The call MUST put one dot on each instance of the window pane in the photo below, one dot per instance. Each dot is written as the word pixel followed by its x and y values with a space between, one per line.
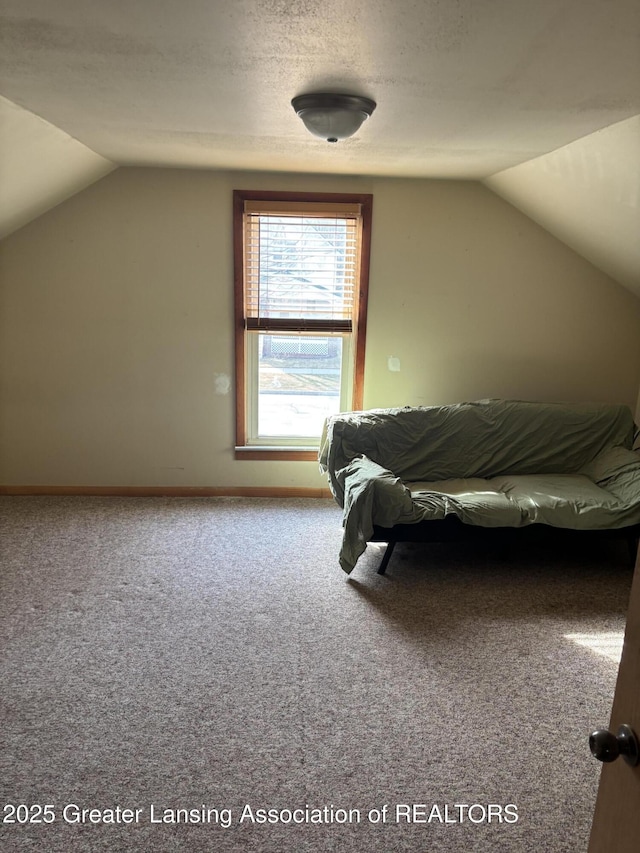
pixel 298 383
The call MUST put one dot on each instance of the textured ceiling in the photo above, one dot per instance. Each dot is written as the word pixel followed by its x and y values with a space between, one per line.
pixel 465 88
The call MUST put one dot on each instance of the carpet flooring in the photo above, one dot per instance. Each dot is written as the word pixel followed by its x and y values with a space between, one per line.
pixel 200 675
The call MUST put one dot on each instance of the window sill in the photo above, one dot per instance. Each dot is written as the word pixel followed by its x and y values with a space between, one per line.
pixel 274 454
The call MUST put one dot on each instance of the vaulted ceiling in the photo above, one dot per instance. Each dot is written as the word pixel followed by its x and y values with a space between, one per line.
pixel 464 88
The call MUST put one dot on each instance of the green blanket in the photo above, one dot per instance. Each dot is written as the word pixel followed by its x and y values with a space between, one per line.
pixel 492 463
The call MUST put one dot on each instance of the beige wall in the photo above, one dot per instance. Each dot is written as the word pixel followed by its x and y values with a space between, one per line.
pixel 116 323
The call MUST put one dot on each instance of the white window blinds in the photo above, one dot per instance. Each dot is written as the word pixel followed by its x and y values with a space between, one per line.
pixel 301 266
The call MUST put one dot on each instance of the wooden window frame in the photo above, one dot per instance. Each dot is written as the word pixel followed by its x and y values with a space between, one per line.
pixel 359 325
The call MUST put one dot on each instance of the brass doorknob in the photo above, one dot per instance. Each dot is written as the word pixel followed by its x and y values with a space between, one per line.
pixel 606 746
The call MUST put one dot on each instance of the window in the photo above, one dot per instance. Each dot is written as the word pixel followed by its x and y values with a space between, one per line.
pixel 301 277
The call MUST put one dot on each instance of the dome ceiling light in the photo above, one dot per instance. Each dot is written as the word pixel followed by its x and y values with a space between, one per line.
pixel 331 116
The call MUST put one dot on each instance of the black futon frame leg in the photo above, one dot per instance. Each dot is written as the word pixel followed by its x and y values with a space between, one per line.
pixel 387 556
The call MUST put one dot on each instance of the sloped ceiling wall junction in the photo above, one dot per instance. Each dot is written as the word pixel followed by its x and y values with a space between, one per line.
pixel 40 166
pixel 588 195
pixel 524 92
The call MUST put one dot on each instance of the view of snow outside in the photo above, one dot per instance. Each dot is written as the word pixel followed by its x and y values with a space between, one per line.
pixel 299 384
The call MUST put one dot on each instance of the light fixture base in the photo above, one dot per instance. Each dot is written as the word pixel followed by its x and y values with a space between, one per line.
pixel 333 116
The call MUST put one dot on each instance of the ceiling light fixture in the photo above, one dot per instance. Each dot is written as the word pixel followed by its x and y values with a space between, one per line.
pixel 331 116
